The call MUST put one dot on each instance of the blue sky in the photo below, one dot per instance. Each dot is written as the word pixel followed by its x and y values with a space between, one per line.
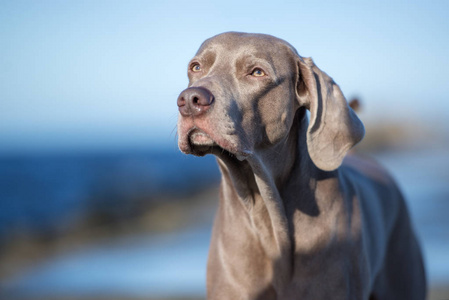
pixel 102 74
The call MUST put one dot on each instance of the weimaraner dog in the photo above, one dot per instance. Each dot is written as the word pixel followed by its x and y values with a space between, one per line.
pixel 296 219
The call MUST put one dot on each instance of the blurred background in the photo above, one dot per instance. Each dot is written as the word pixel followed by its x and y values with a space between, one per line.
pixel 96 202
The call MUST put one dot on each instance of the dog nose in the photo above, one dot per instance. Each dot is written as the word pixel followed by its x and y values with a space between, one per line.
pixel 195 101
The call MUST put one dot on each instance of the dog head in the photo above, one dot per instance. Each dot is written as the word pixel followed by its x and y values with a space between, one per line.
pixel 243 95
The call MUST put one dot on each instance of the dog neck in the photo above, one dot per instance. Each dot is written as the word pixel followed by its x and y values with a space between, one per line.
pixel 257 189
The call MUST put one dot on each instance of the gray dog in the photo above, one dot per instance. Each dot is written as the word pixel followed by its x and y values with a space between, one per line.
pixel 297 219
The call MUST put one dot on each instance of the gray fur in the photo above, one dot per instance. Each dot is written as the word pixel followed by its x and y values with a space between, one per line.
pixel 294 222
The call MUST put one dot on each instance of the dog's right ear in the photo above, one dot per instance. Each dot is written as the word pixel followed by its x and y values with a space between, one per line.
pixel 334 128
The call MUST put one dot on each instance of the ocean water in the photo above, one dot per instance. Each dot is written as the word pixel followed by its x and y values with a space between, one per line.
pixel 39 194
pixel 174 265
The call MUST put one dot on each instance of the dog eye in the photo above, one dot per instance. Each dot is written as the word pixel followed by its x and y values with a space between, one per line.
pixel 195 67
pixel 258 73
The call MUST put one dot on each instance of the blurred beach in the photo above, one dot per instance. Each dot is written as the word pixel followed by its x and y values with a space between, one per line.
pixel 137 225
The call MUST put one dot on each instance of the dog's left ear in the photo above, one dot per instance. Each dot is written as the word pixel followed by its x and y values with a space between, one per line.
pixel 334 128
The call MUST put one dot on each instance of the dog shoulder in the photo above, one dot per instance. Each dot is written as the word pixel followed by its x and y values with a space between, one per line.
pixel 367 168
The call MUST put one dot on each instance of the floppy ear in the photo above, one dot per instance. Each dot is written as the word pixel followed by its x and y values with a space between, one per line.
pixel 334 128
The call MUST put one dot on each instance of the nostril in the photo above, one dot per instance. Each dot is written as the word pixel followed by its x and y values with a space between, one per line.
pixel 181 101
pixel 196 100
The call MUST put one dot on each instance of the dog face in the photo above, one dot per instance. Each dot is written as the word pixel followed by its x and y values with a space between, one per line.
pixel 253 95
pixel 244 90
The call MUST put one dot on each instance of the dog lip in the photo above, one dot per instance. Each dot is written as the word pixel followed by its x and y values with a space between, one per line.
pixel 244 154
pixel 202 143
pixel 200 138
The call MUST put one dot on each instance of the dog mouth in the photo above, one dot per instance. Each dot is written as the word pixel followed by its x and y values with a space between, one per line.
pixel 201 143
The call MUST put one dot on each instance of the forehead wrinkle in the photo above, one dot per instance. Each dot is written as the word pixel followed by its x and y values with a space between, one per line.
pixel 217 50
pixel 227 54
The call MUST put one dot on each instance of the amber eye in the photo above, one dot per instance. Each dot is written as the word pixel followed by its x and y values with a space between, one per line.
pixel 258 73
pixel 195 67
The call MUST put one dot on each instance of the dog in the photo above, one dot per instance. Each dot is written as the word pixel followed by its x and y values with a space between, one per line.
pixel 297 217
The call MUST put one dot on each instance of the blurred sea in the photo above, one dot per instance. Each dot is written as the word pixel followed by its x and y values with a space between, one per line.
pixel 172 265
pixel 45 193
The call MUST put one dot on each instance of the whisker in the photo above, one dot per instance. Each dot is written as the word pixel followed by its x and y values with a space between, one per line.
pixel 174 130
